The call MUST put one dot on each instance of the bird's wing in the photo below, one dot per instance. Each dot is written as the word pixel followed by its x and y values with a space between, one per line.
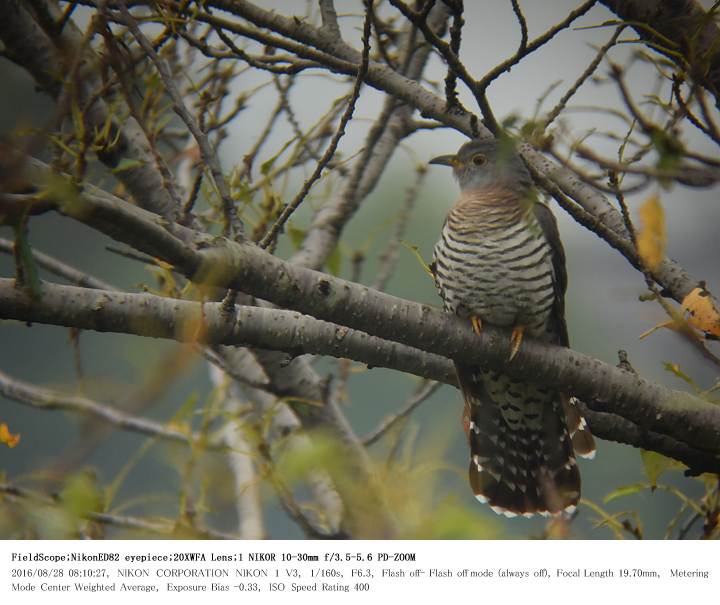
pixel 582 439
pixel 548 225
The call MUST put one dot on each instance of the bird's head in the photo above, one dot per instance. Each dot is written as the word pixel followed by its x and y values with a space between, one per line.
pixel 481 163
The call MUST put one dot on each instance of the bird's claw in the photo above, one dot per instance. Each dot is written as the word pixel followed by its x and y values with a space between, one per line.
pixel 516 340
pixel 476 324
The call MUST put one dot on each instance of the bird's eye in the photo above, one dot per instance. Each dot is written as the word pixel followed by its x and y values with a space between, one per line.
pixel 479 159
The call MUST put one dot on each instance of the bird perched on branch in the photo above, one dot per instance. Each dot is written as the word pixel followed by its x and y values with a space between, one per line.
pixel 499 262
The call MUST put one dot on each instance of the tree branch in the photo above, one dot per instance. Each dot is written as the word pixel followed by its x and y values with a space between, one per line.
pixel 245 267
pixel 206 323
pixel 680 415
pixel 307 41
pixel 241 459
pixel 53 265
pixel 270 236
pixel 382 140
pixel 682 31
pixel 45 59
pixel 329 17
pixel 208 153
pixel 528 47
pixel 37 397
pixel 167 528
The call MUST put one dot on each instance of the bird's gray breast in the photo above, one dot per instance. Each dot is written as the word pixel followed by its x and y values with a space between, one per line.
pixel 497 269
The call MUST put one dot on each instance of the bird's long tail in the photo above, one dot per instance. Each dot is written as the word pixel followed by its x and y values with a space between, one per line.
pixel 522 459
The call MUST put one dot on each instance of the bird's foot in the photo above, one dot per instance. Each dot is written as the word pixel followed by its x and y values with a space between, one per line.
pixel 476 324
pixel 516 340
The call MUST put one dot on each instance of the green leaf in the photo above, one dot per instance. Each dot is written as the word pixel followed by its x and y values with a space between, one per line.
pixel 78 120
pixel 296 235
pixel 334 262
pixel 656 464
pixel 415 250
pixel 80 495
pixel 674 368
pixel 267 165
pixel 186 409
pixel 626 490
pixel 126 164
pixel 606 519
pixel 163 121
pixel 298 462
pixel 452 521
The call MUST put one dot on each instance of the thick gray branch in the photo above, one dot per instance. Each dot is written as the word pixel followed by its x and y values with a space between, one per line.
pixel 246 268
pixel 187 321
pixel 679 415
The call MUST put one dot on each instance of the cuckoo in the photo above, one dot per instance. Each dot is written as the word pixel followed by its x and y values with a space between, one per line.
pixel 499 262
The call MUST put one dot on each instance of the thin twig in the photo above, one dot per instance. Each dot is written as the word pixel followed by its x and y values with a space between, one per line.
pixel 708 128
pixel 620 197
pixel 264 63
pixel 208 154
pixel 452 60
pixel 451 96
pixel 41 398
pixel 270 236
pixel 686 174
pixel 422 393
pixel 522 22
pixel 389 257
pixel 132 255
pixel 288 502
pixel 555 111
pixel 284 99
pixel 51 264
pixel 531 47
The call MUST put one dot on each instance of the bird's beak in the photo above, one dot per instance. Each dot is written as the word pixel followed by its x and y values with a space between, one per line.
pixel 444 160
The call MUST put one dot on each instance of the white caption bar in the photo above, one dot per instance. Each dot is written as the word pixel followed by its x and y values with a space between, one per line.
pixel 298 572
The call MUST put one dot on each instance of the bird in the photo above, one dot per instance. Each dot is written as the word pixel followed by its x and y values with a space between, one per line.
pixel 499 262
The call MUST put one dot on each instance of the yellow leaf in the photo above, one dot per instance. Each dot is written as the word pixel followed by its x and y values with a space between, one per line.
pixel 652 237
pixel 193 328
pixel 7 437
pixel 626 490
pixel 671 324
pixel 700 311
pixel 656 464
